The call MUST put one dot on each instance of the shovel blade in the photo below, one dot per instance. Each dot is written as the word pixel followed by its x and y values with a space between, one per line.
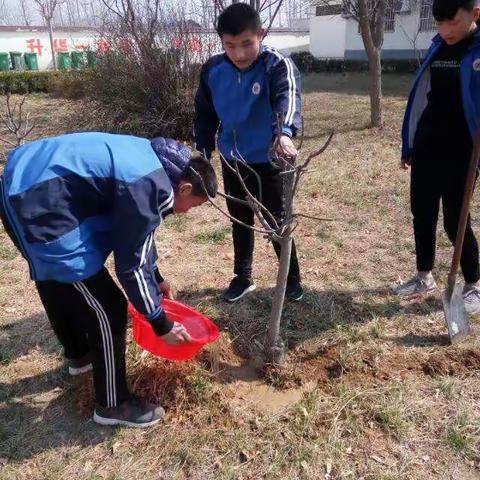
pixel 455 314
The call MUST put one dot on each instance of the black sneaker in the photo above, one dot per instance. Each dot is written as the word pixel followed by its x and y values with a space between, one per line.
pixel 238 287
pixel 131 413
pixel 79 366
pixel 294 291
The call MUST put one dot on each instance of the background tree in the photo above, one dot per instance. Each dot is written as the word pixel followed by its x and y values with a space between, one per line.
pixel 6 14
pixel 414 35
pixel 268 9
pixel 25 12
pixel 47 9
pixel 371 16
pixel 275 230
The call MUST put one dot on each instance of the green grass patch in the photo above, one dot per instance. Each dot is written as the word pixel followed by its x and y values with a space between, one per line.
pixel 7 252
pixel 214 236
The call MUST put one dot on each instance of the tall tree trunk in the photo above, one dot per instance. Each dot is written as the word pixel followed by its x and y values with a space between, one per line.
pixel 71 14
pixel 372 36
pixel 52 48
pixel 26 16
pixel 60 13
pixel 375 86
pixel 276 347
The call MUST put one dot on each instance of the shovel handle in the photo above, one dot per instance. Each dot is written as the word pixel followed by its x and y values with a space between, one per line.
pixel 467 197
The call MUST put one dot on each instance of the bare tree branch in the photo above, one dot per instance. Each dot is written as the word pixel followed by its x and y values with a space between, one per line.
pixel 318 152
pixel 311 217
pixel 272 19
pixel 15 122
pixel 226 214
pixel 278 230
pixel 8 142
pixel 233 199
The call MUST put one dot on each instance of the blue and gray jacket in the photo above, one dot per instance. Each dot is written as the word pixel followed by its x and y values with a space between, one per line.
pixel 246 103
pixel 72 200
pixel 470 81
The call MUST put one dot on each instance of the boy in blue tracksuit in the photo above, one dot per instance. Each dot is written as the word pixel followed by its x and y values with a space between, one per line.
pixel 441 120
pixel 241 92
pixel 67 203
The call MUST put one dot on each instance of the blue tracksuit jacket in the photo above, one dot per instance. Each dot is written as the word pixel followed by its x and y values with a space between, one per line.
pixel 417 102
pixel 72 200
pixel 246 103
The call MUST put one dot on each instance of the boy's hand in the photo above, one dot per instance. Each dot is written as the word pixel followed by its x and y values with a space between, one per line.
pixel 405 163
pixel 177 335
pixel 166 290
pixel 286 147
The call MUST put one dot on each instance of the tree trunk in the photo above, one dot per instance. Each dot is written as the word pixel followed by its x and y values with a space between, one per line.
pixel 375 86
pixel 26 17
pixel 372 31
pixel 275 346
pixel 52 48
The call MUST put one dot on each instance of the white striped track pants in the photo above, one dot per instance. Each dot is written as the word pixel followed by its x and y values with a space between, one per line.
pixel 91 317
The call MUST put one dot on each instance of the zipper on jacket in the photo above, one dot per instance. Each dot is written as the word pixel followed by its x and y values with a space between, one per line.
pixel 239 77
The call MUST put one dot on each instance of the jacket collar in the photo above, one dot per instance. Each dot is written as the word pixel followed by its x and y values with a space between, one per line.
pixel 476 37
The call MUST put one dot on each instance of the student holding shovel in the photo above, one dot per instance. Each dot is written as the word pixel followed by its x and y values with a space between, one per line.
pixel 67 203
pixel 441 121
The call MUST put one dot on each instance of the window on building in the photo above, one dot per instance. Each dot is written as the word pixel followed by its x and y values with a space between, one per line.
pixel 427 22
pixel 327 10
pixel 389 19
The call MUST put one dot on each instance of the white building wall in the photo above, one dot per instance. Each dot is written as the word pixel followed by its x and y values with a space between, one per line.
pixel 328 36
pixel 400 44
pixel 34 41
pixel 31 40
pixel 288 42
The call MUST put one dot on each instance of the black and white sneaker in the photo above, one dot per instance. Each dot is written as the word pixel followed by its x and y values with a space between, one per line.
pixel 79 366
pixel 131 413
pixel 238 288
pixel 415 286
pixel 294 291
pixel 471 298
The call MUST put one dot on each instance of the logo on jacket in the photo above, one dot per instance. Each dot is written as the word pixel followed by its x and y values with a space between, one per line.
pixel 256 88
pixel 476 65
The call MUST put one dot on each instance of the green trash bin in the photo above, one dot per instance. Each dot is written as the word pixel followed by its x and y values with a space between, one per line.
pixel 64 61
pixel 78 59
pixel 31 61
pixel 17 60
pixel 91 58
pixel 4 62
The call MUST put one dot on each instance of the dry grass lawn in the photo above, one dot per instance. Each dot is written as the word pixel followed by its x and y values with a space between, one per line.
pixel 371 389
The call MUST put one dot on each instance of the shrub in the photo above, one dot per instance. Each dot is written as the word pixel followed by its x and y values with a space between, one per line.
pixel 73 84
pixel 27 81
pixel 149 94
pixel 307 63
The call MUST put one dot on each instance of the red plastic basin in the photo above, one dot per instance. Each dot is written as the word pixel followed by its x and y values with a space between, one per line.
pixel 201 329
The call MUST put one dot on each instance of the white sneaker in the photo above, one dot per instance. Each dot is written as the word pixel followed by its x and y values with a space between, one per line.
pixel 471 299
pixel 415 286
pixel 79 366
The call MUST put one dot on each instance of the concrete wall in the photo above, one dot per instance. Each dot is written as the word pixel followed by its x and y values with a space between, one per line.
pixel 36 40
pixel 288 41
pixel 328 36
pixel 397 44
